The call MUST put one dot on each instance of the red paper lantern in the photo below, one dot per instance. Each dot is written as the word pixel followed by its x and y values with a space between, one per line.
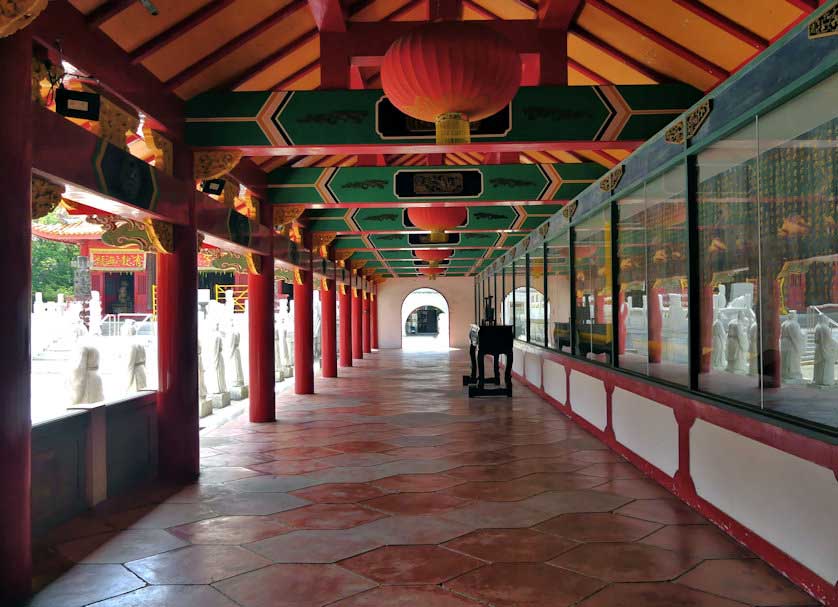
pixel 451 73
pixel 431 273
pixel 434 256
pixel 437 219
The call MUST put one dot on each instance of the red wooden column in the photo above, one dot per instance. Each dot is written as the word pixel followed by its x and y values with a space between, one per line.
pixel 365 322
pixel 177 348
pixel 345 326
pixel 303 334
pixel 374 318
pixel 260 295
pixel 328 329
pixel 357 314
pixel 15 365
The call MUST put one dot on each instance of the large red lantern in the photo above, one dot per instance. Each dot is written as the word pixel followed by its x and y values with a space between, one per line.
pixel 431 273
pixel 437 219
pixel 434 256
pixel 450 73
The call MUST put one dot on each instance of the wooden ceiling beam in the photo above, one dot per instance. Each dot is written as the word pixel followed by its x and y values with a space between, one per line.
pixel 587 73
pixel 300 73
pixel 107 11
pixel 445 10
pixel 485 12
pixel 804 5
pixel 233 45
pixel 181 28
pixel 271 59
pixel 558 14
pixel 329 15
pixel 620 56
pixel 717 19
pixel 670 45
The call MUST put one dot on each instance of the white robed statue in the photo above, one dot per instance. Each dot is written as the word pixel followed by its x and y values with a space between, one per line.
pixel 235 357
pixel 278 368
pixel 218 361
pixel 84 383
pixel 826 353
pixel 719 343
pixel 792 342
pixel 737 343
pixel 136 368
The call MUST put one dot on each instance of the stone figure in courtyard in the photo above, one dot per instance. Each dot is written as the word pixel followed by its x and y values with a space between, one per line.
pixel 220 397
pixel 204 404
pixel 128 328
pixel 279 375
pixel 238 390
pixel 792 342
pixel 753 352
pixel 719 360
pixel 136 368
pixel 84 383
pixel 737 343
pixel 285 343
pixel 826 353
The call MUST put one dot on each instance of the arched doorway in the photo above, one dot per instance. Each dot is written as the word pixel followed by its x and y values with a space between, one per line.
pixel 424 319
pixel 518 311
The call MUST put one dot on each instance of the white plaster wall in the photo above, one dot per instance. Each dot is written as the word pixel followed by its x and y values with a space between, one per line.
pixel 518 357
pixel 458 292
pixel 790 502
pixel 555 381
pixel 646 427
pixel 532 368
pixel 587 398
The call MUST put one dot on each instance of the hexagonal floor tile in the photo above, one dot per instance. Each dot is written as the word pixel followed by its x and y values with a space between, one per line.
pixel 400 596
pixel 699 541
pixel 618 562
pixel 196 565
pixel 298 585
pixel 84 584
pixel 525 584
pixel 328 516
pixel 661 594
pixel 121 547
pixel 361 446
pixel 231 530
pixel 563 502
pixel 416 483
pixel 255 504
pixel 415 529
pixel 290 467
pixel 411 564
pixel 213 476
pixel 326 546
pixel 487 515
pixel 511 545
pixel 340 493
pixel 305 453
pixel 163 596
pixel 749 581
pixel 670 511
pixel 505 491
pixel 416 503
pixel 598 527
pixel 161 516
pixel 639 489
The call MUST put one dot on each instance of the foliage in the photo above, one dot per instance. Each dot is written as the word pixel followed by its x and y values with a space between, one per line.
pixel 52 270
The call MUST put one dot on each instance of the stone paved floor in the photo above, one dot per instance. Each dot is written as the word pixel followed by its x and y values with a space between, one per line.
pixel 391 488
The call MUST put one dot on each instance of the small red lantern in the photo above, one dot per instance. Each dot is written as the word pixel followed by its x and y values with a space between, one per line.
pixel 450 73
pixel 431 273
pixel 437 219
pixel 434 256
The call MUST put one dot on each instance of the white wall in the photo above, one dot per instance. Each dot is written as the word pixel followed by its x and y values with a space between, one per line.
pixel 458 291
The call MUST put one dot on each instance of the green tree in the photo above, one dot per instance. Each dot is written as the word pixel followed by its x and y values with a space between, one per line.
pixel 52 264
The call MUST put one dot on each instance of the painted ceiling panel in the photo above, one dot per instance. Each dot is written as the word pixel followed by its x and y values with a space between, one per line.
pixel 135 25
pixel 766 18
pixel 600 62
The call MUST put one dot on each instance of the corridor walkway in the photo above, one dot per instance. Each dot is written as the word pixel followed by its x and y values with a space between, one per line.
pixel 390 488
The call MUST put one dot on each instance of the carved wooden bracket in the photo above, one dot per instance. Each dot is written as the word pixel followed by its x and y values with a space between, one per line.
pixel 161 234
pixel 569 210
pixel 162 148
pixel 686 128
pixel 285 214
pixel 115 124
pixel 120 233
pixel 320 242
pixel 825 25
pixel 45 196
pixel 212 164
pixel 611 180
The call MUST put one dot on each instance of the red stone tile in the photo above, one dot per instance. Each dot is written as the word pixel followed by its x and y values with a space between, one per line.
pixel 127 545
pixel 507 491
pixel 479 458
pixel 231 530
pixel 222 475
pixel 255 504
pixel 401 596
pixel 510 545
pixel 416 503
pixel 598 527
pixel 415 529
pixel 624 562
pixel 280 468
pixel 320 546
pixel 295 453
pixel 699 541
pixel 416 483
pixel 328 516
pixel 297 585
pixel 749 581
pixel 563 502
pixel 489 515
pixel 166 596
pixel 525 585
pixel 340 493
pixel 411 564
pixel 635 489
pixel 196 565
pixel 424 452
pixel 611 471
pixel 661 594
pixel 233 459
pixel 360 446
pixel 670 511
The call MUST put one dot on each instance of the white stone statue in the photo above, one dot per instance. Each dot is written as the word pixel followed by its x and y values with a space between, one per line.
pixel 719 360
pixel 128 328
pixel 136 368
pixel 204 404
pixel 279 374
pixel 234 356
pixel 737 343
pixel 826 353
pixel 753 352
pixel 218 360
pixel 285 343
pixel 95 313
pixel 84 382
pixel 792 342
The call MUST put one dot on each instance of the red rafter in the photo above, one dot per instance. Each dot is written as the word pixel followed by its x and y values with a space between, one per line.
pixel 558 14
pixel 300 73
pixel 233 45
pixel 479 9
pixel 268 61
pixel 107 11
pixel 659 39
pixel 804 5
pixel 445 10
pixel 328 15
pixel 731 27
pixel 590 74
pixel 619 56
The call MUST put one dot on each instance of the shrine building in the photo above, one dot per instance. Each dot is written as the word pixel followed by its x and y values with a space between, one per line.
pixel 444 303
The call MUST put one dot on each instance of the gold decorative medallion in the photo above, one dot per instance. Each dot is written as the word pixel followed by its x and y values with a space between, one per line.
pixel 161 234
pixel 569 210
pixel 285 214
pixel 254 263
pixel 212 164
pixel 675 133
pixel 825 25
pixel 609 182
pixel 162 149
pixel 45 196
pixel 115 123
pixel 696 118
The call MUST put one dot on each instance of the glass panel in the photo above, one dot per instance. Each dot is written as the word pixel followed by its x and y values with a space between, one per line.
pixel 592 256
pixel 728 230
pixel 633 244
pixel 798 286
pixel 536 297
pixel 558 292
pixel 520 310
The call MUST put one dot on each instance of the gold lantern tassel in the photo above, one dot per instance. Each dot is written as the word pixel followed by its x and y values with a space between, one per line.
pixel 451 128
